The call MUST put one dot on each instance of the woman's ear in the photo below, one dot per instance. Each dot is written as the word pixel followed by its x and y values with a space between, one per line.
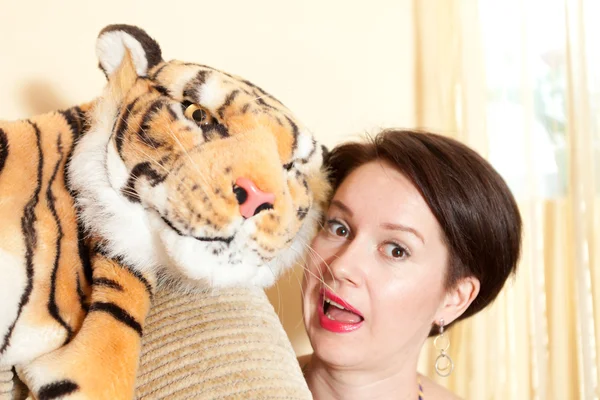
pixel 458 299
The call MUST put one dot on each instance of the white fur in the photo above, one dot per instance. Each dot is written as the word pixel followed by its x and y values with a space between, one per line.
pixel 184 76
pixel 268 274
pixel 304 145
pixel 117 171
pixel 304 148
pixel 110 49
pixel 12 286
pixel 140 235
pixel 158 195
pixel 29 342
pixel 236 264
pixel 212 94
pixel 104 210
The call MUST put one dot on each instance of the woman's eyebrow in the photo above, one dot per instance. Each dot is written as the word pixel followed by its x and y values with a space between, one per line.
pixel 404 228
pixel 344 208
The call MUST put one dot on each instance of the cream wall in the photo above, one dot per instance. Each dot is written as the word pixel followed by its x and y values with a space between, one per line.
pixel 343 67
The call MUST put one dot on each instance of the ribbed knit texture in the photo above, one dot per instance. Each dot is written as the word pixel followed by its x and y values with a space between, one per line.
pixel 6 384
pixel 225 345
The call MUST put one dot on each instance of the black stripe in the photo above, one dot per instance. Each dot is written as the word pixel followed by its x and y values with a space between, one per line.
pixel 82 298
pixel 3 149
pixel 226 240
pixel 301 212
pixel 29 236
pixel 106 282
pixel 172 114
pixel 122 125
pixel 159 70
pixel 227 103
pixel 57 389
pixel 77 121
pixel 118 313
pixel 121 262
pixel 52 307
pixel 170 225
pixel 84 252
pixel 191 89
pixel 143 131
pixel 261 91
pixel 84 256
pixel 162 90
pixel 72 120
pixel 311 154
pixel 260 100
pixel 151 48
pixel 295 133
pixel 209 130
pixel 83 120
pixel 138 171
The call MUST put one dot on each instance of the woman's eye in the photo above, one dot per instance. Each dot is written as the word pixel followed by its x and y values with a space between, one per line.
pixel 337 228
pixel 198 114
pixel 395 251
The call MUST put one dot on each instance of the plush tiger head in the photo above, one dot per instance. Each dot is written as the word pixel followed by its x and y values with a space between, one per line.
pixel 193 170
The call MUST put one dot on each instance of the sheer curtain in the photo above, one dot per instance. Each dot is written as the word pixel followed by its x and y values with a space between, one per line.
pixel 519 81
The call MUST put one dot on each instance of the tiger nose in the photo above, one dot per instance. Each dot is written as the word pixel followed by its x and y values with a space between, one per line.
pixel 252 200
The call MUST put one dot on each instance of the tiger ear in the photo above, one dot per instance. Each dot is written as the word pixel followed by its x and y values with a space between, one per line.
pixel 126 52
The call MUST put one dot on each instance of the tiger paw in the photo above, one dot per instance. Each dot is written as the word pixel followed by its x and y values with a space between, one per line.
pixel 94 365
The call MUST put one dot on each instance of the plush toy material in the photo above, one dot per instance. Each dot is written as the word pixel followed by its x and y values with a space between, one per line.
pixel 225 345
pixel 180 185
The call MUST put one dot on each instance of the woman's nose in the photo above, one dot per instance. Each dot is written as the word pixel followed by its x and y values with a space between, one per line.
pixel 346 266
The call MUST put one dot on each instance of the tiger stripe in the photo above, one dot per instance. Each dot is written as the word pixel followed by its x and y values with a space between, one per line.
pixel 122 123
pixel 3 149
pixel 120 262
pixel 228 100
pixel 29 236
pixel 107 283
pixel 85 187
pixel 56 390
pixel 142 132
pixel 118 313
pixel 52 307
pixel 77 121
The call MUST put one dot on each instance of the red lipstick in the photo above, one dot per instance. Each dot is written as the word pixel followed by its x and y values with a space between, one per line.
pixel 333 325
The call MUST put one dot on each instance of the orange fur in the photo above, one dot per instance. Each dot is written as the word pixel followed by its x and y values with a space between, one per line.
pixel 94 353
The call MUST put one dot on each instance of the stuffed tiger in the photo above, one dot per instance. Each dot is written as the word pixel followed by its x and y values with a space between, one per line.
pixel 178 173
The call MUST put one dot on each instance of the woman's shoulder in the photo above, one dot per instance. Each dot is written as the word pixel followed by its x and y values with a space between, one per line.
pixel 434 391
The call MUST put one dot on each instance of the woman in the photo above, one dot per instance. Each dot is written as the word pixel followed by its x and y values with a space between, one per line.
pixel 421 232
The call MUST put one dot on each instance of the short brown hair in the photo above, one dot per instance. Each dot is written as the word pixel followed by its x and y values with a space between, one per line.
pixel 475 208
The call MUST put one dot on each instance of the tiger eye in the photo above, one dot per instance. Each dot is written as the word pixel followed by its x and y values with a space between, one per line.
pixel 198 114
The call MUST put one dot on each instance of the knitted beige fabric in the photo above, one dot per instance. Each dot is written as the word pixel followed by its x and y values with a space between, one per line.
pixel 6 384
pixel 225 345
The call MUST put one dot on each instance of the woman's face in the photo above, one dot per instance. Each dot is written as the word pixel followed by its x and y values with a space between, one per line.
pixel 381 255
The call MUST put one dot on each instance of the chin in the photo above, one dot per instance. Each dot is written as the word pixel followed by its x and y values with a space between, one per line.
pixel 338 353
pixel 335 349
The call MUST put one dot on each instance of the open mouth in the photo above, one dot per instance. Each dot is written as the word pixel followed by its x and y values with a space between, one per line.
pixel 337 315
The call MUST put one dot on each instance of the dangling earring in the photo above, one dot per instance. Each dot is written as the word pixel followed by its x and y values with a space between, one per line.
pixel 443 363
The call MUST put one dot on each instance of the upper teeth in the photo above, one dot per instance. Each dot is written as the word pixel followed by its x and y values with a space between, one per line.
pixel 333 303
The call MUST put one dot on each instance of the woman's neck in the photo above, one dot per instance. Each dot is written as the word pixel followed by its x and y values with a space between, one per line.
pixel 391 381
